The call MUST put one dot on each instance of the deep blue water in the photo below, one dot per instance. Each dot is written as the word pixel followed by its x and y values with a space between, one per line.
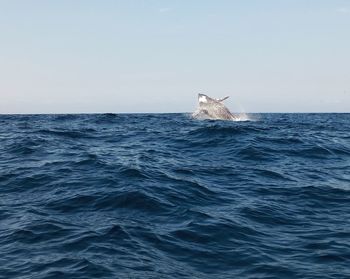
pixel 166 196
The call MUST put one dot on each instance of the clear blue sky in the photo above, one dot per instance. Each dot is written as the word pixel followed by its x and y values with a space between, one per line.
pixel 155 56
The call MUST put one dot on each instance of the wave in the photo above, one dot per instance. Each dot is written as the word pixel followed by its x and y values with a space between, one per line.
pixel 78 134
pixel 166 196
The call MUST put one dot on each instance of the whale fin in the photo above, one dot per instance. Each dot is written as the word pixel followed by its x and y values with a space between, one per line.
pixel 222 99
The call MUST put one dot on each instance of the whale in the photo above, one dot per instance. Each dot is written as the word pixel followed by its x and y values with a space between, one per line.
pixel 214 109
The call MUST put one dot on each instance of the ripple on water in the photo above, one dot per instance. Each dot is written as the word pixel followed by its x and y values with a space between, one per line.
pixel 166 196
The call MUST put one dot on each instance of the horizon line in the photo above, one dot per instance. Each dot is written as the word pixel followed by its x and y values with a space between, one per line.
pixel 91 113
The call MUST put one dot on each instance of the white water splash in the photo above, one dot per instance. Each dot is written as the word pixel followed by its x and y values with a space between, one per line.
pixel 243 117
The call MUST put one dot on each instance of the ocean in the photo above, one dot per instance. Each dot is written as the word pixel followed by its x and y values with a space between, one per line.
pixel 167 196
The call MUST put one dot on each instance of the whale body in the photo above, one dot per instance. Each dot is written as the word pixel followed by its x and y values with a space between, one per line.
pixel 210 108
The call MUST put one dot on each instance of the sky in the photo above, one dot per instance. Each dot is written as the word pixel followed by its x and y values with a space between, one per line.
pixel 121 56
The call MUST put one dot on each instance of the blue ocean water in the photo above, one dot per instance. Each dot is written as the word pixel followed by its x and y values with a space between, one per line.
pixel 166 196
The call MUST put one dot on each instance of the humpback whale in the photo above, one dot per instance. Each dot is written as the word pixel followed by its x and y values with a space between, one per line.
pixel 210 108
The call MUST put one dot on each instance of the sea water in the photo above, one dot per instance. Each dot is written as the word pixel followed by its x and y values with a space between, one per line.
pixel 167 196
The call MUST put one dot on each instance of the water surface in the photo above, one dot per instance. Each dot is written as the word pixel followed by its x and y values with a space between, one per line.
pixel 166 196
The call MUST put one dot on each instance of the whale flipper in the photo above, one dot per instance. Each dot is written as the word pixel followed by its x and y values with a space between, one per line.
pixel 223 99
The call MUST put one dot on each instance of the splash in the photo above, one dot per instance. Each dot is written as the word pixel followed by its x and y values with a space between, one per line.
pixel 244 117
